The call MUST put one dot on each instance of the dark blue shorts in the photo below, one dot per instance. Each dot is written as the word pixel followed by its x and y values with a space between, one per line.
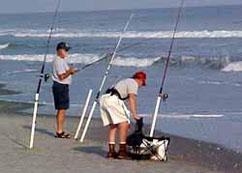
pixel 61 95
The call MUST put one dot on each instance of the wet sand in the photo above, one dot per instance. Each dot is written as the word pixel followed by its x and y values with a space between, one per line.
pixel 61 155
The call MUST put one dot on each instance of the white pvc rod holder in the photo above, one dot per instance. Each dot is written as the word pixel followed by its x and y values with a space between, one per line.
pixel 157 107
pixel 83 113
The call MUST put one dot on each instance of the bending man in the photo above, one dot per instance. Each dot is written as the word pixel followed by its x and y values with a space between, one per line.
pixel 115 114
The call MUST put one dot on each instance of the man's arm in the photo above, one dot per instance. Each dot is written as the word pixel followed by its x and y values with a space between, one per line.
pixel 133 106
pixel 65 75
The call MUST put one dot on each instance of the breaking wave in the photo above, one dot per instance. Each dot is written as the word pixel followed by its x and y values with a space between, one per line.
pixel 212 62
pixel 131 34
pixel 136 62
pixel 85 59
pixel 4 46
pixel 233 67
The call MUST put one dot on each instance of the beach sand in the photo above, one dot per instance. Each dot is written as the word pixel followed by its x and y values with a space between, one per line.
pixel 62 155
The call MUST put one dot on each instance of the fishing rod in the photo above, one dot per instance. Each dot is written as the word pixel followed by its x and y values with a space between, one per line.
pixel 104 56
pixel 105 78
pixel 42 75
pixel 161 94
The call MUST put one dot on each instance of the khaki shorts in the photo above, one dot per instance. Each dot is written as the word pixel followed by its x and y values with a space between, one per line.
pixel 113 110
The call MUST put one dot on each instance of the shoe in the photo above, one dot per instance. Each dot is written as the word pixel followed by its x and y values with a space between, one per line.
pixel 122 154
pixel 112 153
pixel 63 135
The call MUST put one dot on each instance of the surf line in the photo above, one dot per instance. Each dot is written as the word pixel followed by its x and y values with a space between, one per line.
pixel 113 55
pixel 42 75
pixel 161 95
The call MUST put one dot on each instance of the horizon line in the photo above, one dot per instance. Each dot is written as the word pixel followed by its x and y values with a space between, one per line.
pixel 117 9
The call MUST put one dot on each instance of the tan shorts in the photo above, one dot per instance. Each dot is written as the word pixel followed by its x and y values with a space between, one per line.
pixel 113 110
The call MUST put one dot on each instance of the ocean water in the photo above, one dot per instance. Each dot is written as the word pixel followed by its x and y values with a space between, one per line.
pixel 204 80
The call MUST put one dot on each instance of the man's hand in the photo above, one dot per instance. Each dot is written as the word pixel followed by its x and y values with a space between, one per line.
pixel 73 70
pixel 136 117
pixel 69 72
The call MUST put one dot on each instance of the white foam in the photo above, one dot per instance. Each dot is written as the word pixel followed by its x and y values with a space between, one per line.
pixel 233 67
pixel 211 82
pixel 185 116
pixel 207 116
pixel 131 34
pixel 25 57
pixel 4 46
pixel 188 58
pixel 135 62
pixel 220 83
pixel 85 59
pixel 22 71
pixel 74 58
pixel 131 61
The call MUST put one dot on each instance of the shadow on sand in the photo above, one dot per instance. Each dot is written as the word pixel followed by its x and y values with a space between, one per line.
pixel 91 150
pixel 16 141
pixel 40 130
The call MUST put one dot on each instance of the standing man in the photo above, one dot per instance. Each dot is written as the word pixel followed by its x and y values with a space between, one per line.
pixel 115 114
pixel 62 76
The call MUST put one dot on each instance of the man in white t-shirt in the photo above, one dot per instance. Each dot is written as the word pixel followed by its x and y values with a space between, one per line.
pixel 115 114
pixel 62 75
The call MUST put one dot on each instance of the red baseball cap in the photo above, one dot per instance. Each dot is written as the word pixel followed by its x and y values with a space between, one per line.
pixel 140 75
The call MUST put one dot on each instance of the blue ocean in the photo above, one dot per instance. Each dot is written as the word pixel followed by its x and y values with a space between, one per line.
pixel 204 79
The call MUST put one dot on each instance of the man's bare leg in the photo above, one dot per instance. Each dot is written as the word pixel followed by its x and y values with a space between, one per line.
pixel 60 119
pixel 112 134
pixel 123 132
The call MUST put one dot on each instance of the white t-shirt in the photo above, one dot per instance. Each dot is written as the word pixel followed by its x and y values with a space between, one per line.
pixel 126 87
pixel 60 66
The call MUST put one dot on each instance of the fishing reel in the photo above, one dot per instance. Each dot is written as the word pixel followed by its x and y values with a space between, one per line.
pixel 45 76
pixel 164 96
